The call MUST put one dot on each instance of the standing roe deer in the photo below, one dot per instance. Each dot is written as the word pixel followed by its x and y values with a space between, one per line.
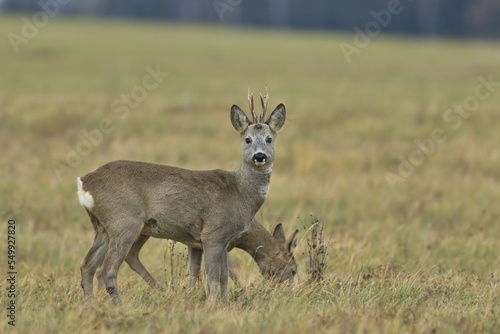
pixel 129 201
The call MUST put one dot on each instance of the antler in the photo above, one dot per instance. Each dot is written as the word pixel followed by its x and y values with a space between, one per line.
pixel 250 104
pixel 263 101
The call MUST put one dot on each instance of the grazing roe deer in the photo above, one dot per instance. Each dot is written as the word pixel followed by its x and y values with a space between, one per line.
pixel 130 201
pixel 273 254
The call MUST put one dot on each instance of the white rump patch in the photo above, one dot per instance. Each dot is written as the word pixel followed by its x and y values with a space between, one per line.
pixel 85 197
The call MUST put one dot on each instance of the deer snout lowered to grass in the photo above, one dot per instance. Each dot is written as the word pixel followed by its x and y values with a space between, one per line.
pixel 130 201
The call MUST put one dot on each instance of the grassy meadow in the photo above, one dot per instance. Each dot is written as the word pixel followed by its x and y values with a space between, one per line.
pixel 420 256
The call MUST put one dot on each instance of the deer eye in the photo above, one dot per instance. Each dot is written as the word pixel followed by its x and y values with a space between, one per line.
pixel 293 272
pixel 248 140
pixel 269 140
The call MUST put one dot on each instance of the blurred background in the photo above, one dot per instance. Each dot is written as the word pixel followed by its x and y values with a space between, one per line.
pixel 460 18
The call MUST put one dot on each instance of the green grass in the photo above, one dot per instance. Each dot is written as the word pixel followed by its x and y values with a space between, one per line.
pixel 423 258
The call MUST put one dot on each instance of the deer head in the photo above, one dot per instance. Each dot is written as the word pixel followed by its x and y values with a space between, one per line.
pixel 279 263
pixel 258 135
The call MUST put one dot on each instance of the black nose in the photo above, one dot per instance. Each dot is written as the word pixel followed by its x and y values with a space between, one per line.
pixel 259 157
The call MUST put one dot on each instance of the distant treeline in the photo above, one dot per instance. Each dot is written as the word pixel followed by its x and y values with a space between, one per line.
pixel 460 18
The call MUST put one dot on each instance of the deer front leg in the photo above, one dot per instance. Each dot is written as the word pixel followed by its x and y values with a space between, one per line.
pixel 232 272
pixel 224 275
pixel 195 256
pixel 194 265
pixel 215 262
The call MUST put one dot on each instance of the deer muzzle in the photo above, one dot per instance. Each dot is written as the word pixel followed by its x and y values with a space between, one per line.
pixel 259 158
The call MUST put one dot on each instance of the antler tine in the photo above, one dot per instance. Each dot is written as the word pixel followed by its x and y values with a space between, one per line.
pixel 263 101
pixel 250 104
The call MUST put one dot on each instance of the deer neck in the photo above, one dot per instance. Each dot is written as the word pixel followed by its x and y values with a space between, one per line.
pixel 253 184
pixel 259 244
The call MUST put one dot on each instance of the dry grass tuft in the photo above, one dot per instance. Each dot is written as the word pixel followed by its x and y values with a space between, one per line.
pixel 176 262
pixel 316 250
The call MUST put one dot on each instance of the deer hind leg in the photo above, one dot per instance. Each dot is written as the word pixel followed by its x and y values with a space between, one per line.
pixel 120 242
pixel 135 263
pixel 194 256
pixel 94 256
pixel 100 278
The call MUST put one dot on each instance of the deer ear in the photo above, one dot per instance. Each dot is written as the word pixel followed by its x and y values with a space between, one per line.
pixel 277 118
pixel 291 243
pixel 239 119
pixel 279 233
